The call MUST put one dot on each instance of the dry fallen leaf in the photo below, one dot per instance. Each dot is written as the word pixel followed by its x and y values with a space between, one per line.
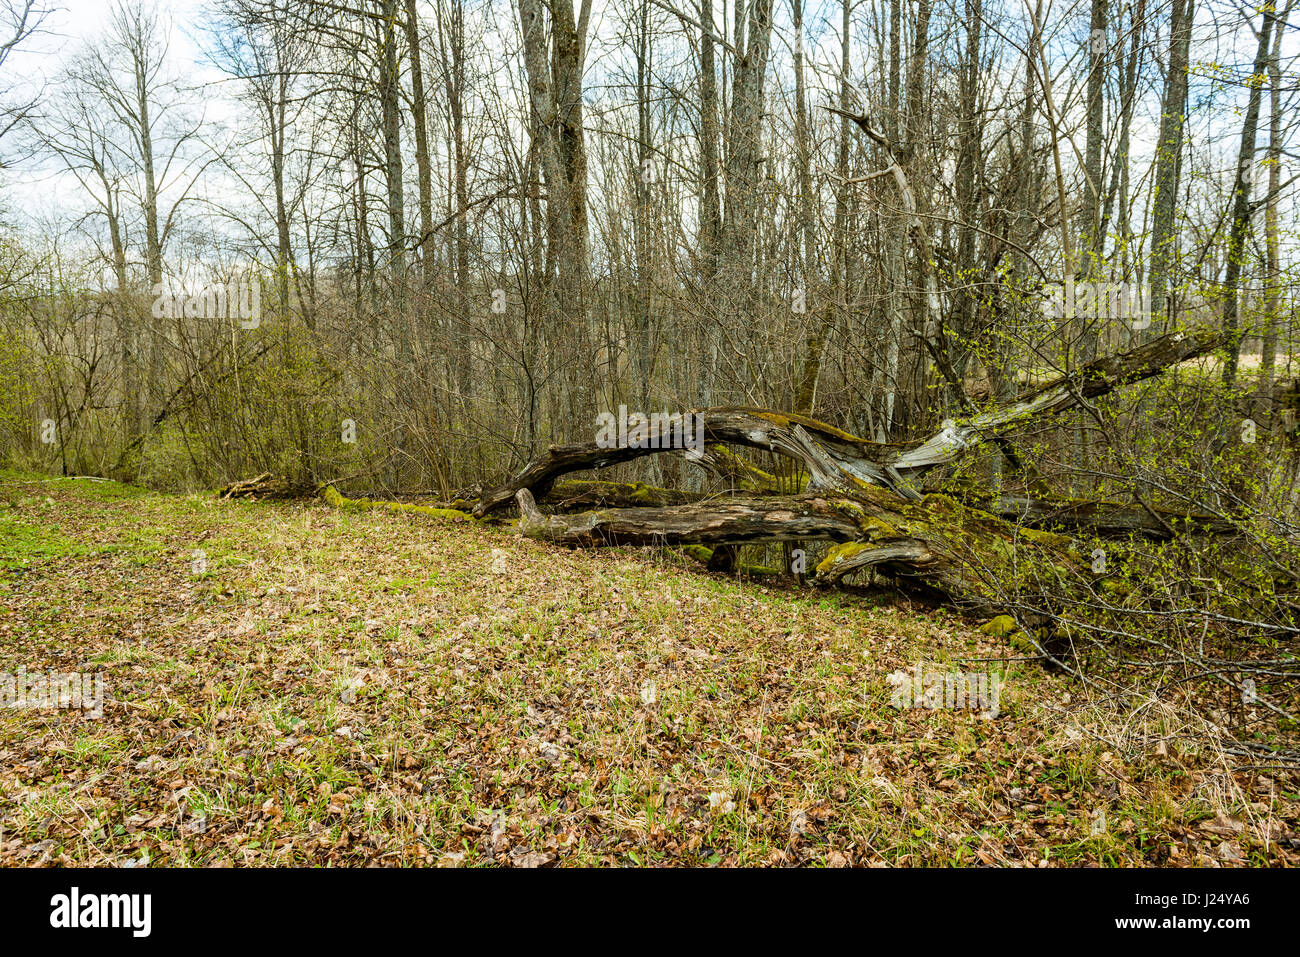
pixel 798 824
pixel 1223 824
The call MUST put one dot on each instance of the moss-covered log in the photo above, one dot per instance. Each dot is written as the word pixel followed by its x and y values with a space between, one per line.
pixel 1101 518
pixel 831 456
pixel 331 496
pixel 577 494
pixel 835 460
pixel 936 544
pixel 267 487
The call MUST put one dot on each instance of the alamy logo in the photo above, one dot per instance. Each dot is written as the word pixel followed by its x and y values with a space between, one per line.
pixel 658 430
pixel 231 300
pixel 946 690
pixel 1098 300
pixel 84 692
pixel 75 910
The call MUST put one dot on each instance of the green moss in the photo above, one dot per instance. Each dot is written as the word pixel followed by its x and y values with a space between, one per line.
pixel 774 417
pixel 1048 539
pixel 786 419
pixel 1004 626
pixel 1000 627
pixel 642 493
pixel 635 490
pixel 332 497
pixel 936 503
pixel 842 552
pixel 854 509
pixel 750 477
pixel 877 529
pixel 1023 643
pixel 450 514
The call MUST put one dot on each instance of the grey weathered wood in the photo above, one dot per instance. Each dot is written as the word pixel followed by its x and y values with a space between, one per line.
pixel 937 543
pixel 834 459
pixel 732 521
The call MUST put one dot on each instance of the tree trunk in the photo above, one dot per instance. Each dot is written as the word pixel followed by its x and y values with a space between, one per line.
pixel 424 174
pixel 1241 204
pixel 1164 230
pixel 1273 263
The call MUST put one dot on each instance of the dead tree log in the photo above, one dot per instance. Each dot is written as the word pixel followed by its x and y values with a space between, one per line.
pixel 574 495
pixel 331 496
pixel 865 499
pixel 731 521
pixel 823 449
pixel 936 545
pixel 1065 392
pixel 1100 518
pixel 838 461
pixel 267 487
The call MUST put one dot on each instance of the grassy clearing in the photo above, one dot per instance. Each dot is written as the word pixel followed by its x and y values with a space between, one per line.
pixel 292 684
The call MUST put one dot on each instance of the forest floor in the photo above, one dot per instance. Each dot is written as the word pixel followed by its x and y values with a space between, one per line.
pixel 291 684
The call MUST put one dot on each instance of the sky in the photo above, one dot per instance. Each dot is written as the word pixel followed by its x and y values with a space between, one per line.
pixel 43 193
pixel 40 190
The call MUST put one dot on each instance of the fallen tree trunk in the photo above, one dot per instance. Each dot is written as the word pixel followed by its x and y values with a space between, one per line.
pixel 731 521
pixel 980 554
pixel 1100 518
pixel 574 495
pixel 937 543
pixel 267 487
pixel 1065 392
pixel 977 552
pixel 783 433
pixel 331 496
pixel 836 460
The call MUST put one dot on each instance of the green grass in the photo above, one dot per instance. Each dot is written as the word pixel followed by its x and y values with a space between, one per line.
pixel 360 687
